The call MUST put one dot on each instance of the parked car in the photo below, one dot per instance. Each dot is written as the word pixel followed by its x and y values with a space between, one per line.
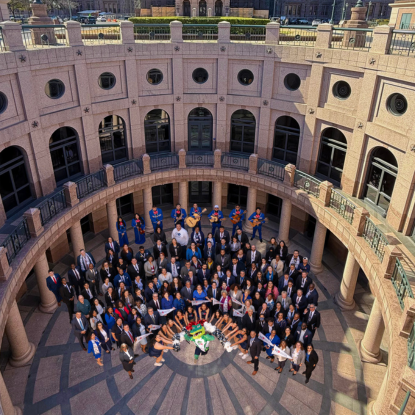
pixel 316 22
pixel 303 22
pixel 101 19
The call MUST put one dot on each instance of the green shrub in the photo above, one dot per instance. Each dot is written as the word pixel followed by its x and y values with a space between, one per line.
pixel 199 20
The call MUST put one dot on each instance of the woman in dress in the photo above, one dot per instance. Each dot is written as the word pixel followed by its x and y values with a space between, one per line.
pixel 127 254
pixel 257 301
pixel 199 294
pixel 263 266
pixel 203 312
pixel 122 232
pixel 95 319
pixel 156 349
pixel 225 302
pixel 141 307
pixel 95 348
pixel 127 359
pixel 98 305
pixel 180 319
pixel 167 303
pixel 275 340
pixel 139 329
pixel 240 341
pixel 271 289
pixel 281 359
pixel 110 318
pixel 298 355
pixel 107 284
pixel 190 315
pixel 132 317
pixel 216 318
pixel 103 335
pixel 270 302
pixel 139 227
pixel 178 303
pixel 127 299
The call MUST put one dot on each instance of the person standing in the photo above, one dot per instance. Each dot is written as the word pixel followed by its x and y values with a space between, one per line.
pixel 83 261
pixel 215 217
pixel 238 213
pixel 178 215
pixel 156 216
pixel 95 348
pixel 195 210
pixel 80 325
pixel 282 359
pixel 311 360
pixel 127 359
pixel 298 355
pixel 68 297
pixel 75 278
pixel 139 226
pixel 255 346
pixel 260 217
pixel 54 283
pixel 180 235
pixel 122 231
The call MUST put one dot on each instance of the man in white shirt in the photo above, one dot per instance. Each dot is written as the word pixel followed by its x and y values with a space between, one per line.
pixel 181 235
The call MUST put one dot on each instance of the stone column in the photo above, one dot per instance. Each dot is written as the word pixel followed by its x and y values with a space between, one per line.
pixel 4 15
pixel 6 402
pixel 48 303
pixel 184 195
pixel 40 17
pixel 112 219
pixel 272 34
pixel 22 350
pixel 344 298
pixel 77 238
pixel 148 205
pixel 370 345
pixel 318 248
pixel 217 194
pixel 250 208
pixel 284 229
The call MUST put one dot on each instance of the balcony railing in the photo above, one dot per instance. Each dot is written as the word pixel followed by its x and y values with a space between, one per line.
pixel 375 238
pixel 127 169
pixel 342 205
pixel 90 184
pixel 411 348
pixel 40 36
pixel 248 33
pixel 198 33
pixel 298 35
pixel 101 34
pixel 401 283
pixel 271 169
pixel 151 32
pixel 307 183
pixel 206 159
pixel 16 240
pixel 402 43
pixel 52 206
pixel 355 39
pixel 164 161
pixel 236 161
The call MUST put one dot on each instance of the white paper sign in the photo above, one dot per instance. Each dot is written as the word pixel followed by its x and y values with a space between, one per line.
pixel 237 313
pixel 165 312
pixel 154 327
pixel 214 301
pixel 139 338
pixel 198 302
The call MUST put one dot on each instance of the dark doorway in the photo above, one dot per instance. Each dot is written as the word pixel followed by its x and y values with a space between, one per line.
pixel 163 195
pixel 125 205
pixel 200 192
pixel 237 195
pixel 200 122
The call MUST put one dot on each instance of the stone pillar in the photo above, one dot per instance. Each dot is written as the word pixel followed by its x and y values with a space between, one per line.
pixel 71 195
pixel 318 248
pixel 224 32
pixel 12 36
pixel 40 17
pixel 284 229
pixel 48 303
pixel 370 345
pixel 127 32
pixel 217 194
pixel 182 158
pixel 344 298
pixel 73 33
pixel 34 222
pixel 146 164
pixel 289 174
pixel 382 37
pixel 77 238
pixel 22 350
pixel 358 21
pixel 250 208
pixel 6 402
pixel 5 269
pixel 112 219
pixel 218 159
pixel 148 205
pixel 176 31
pixel 253 164
pixel 184 195
pixel 4 13
pixel 109 174
pixel 324 35
pixel 325 192
pixel 272 34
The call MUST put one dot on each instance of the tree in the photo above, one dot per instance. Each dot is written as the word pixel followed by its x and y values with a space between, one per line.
pixel 18 6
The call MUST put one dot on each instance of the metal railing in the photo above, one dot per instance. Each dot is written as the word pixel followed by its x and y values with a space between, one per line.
pixel 298 35
pixel 127 169
pixel 38 36
pixel 375 238
pixel 406 399
pixel 401 283
pixel 164 161
pixel 52 206
pixel 206 159
pixel 236 161
pixel 90 183
pixel 151 32
pixel 411 348
pixel 342 205
pixel 196 32
pixel 2 46
pixel 271 169
pixel 100 33
pixel 248 33
pixel 402 43
pixel 355 39
pixel 307 183
pixel 16 240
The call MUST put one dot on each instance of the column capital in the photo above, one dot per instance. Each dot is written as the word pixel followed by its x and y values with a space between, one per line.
pixel 70 193
pixel 146 164
pixel 272 34
pixel 5 269
pixel 289 174
pixel 359 220
pixel 253 164
pixel 176 31
pixel 73 33
pixel 224 32
pixel 109 174
pixel 218 159
pixel 182 158
pixel 389 259
pixel 407 318
pixel 12 36
pixel 325 192
pixel 127 32
pixel 34 222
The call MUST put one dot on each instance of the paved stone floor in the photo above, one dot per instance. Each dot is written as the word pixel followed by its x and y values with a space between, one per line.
pixel 63 379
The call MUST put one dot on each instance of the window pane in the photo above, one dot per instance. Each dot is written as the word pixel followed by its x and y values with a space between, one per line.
pixel 325 154
pixel 291 158
pixel 278 154
pixel 74 169
pixel 61 174
pixel 19 176
pixel 336 175
pixel 118 139
pixel 249 134
pixel 372 194
pixel 237 133
pixel 292 143
pixel 374 177
pixel 9 202
pixel 383 202
pixel 71 152
pixel 323 169
pixel 105 143
pixel 58 158
pixel 279 140
pixel 388 184
pixel 24 194
pixel 6 186
pixel 107 157
pixel 338 158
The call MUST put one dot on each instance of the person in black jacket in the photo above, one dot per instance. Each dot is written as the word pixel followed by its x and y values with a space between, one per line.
pixel 248 321
pixel 68 296
pixel 242 237
pixel 282 251
pixel 255 347
pixel 76 279
pixel 294 258
pixel 112 258
pixel 311 360
pixel 176 251
pixel 107 272
pixel 312 318
pixel 288 337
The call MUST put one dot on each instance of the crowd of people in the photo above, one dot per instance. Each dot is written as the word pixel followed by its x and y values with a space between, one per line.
pixel 220 278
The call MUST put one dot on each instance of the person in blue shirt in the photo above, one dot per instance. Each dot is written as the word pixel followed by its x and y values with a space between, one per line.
pixel 193 251
pixel 196 210
pixel 122 231
pixel 261 217
pixel 178 303
pixel 178 213
pixel 139 226
pixel 304 266
pixel 217 216
pixel 275 340
pixel 156 217
pixel 237 211
pixel 122 277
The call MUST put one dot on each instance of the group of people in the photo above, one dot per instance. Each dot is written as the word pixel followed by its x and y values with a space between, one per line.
pixel 137 301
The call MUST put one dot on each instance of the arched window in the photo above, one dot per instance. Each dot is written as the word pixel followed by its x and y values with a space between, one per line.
pixel 63 147
pixel 157 131
pixel 286 139
pixel 200 123
pixel 243 131
pixel 381 179
pixel 333 149
pixel 186 8
pixel 202 8
pixel 112 139
pixel 218 8
pixel 14 182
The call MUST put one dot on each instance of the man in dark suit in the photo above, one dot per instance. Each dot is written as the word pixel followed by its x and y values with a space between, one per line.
pixel 152 318
pixel 295 323
pixel 209 251
pixel 186 268
pixel 291 290
pixel 203 274
pixel 255 347
pixel 242 237
pixel 300 302
pixel 269 327
pixel 292 273
pixel 191 276
pixel 312 295
pixel 241 281
pixel 221 234
pixel 253 256
pixel 214 292
pixel 112 259
pixel 223 260
pixel 54 283
pixel 142 257
pixel 149 291
pixel 122 277
pixel 173 267
pixel 187 292
pixel 111 244
pixel 283 282
pixel 222 245
pixel 294 258
pixel 80 326
pixel 107 272
pixel 248 321
pixel 127 336
pixel 158 248
pixel 303 281
pixel 116 331
pixel 228 279
pixel 68 296
pixel 236 267
pixel 155 302
pixel 312 318
pixel 83 261
pixel 303 335
pixel 75 278
pixel 88 293
pixel 133 269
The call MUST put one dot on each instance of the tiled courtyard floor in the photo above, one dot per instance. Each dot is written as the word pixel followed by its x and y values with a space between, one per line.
pixel 63 379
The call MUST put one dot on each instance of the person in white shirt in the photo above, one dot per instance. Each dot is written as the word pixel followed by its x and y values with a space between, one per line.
pixel 165 276
pixel 181 235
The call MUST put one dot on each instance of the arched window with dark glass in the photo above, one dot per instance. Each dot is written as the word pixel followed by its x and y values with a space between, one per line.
pixel 64 152
pixel 186 8
pixel 218 7
pixel 332 154
pixel 286 140
pixel 202 8
pixel 200 123
pixel 14 181
pixel 243 131
pixel 157 131
pixel 112 139
pixel 383 169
